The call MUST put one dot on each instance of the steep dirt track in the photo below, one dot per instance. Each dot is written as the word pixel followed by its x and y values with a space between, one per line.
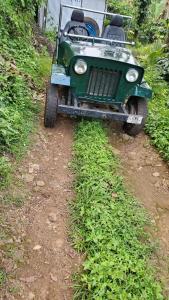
pixel 49 259
pixel 147 177
pixel 42 224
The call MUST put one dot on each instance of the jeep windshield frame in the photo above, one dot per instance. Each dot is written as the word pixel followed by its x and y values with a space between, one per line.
pixel 90 38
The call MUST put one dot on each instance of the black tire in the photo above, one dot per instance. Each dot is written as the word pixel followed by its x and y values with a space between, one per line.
pixel 51 105
pixel 136 106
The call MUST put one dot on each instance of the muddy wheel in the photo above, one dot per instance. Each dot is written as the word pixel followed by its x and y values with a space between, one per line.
pixel 136 106
pixel 51 105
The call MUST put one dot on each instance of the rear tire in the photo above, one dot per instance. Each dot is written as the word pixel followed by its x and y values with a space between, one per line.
pixel 136 106
pixel 51 105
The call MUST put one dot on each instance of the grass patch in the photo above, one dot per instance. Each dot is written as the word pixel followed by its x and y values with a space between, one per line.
pixel 23 71
pixel 15 200
pixel 157 125
pixel 109 225
pixel 5 172
pixel 3 277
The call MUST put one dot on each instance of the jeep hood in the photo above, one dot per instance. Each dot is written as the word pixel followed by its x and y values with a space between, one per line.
pixel 102 51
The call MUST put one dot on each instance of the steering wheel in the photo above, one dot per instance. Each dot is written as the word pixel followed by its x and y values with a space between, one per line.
pixel 78 30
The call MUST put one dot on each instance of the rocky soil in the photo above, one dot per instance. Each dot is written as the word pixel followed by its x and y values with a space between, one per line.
pixel 45 258
pixel 147 177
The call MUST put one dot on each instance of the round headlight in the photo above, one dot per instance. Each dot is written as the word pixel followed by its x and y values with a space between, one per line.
pixel 132 75
pixel 80 67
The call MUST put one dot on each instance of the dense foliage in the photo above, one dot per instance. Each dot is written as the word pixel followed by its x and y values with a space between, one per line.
pixel 158 120
pixel 108 225
pixel 142 10
pixel 22 69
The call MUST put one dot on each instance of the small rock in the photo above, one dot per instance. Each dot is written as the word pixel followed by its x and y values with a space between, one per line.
pixel 35 167
pixel 36 188
pixel 158 165
pixel 13 66
pixel 148 162
pixel 37 247
pixel 160 210
pixel 40 183
pixel 126 137
pixel 140 168
pixel 31 296
pixel 53 277
pixel 28 178
pixel 132 155
pixel 114 195
pixel 29 279
pixel 156 174
pixel 146 145
pixel 30 170
pixel 116 151
pixel 157 217
pixel 157 184
pixel 52 217
pixel 59 243
pixel 10 241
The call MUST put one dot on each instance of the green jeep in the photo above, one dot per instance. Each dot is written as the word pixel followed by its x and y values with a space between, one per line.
pixel 96 76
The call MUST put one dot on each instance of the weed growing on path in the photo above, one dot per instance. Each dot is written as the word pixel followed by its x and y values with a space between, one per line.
pixel 2 277
pixel 109 225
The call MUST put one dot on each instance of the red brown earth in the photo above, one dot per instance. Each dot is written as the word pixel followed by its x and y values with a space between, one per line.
pixel 45 259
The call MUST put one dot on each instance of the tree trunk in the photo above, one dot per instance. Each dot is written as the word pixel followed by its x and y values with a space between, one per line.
pixel 165 14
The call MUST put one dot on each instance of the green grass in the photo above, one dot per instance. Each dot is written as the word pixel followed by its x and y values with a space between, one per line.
pixel 23 72
pixel 157 125
pixel 108 225
pixel 2 277
pixel 5 172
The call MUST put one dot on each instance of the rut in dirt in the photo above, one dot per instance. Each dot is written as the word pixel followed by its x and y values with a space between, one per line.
pixel 49 259
pixel 147 177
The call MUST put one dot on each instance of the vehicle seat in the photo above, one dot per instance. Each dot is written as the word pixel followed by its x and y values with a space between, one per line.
pixel 76 25
pixel 114 31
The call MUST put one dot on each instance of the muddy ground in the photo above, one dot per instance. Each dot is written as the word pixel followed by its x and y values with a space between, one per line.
pixel 43 259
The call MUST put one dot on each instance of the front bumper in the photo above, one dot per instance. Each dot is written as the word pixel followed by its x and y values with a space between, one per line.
pixel 100 114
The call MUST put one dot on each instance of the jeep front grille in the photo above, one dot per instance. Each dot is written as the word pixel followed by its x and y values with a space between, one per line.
pixel 103 83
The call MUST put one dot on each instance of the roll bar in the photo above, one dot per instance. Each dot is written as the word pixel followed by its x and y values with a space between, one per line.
pixel 90 38
pixel 94 11
pixel 93 39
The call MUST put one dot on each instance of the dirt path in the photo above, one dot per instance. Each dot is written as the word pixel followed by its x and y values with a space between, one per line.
pixel 48 259
pixel 147 177
pixel 45 258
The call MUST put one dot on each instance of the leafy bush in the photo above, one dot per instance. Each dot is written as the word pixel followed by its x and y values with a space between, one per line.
pixel 5 170
pixel 109 226
pixel 22 70
pixel 158 120
pixel 119 7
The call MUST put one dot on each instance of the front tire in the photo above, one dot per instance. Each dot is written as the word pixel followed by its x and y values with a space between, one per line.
pixel 136 106
pixel 51 105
